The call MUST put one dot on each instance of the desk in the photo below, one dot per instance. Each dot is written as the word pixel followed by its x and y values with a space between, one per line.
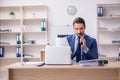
pixel 63 72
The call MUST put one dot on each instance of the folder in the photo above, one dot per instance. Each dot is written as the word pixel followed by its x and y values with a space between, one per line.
pixel 1 51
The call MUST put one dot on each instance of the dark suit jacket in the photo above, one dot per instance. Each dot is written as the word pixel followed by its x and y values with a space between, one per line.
pixel 91 44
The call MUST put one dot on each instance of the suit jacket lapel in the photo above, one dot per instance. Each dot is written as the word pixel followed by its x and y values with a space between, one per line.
pixel 73 42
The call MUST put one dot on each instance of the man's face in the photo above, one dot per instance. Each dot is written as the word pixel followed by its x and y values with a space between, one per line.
pixel 79 28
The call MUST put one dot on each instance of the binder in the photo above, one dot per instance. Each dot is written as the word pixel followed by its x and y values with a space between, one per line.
pixel 1 51
pixel 43 25
pixel 18 37
pixel 100 11
pixel 18 51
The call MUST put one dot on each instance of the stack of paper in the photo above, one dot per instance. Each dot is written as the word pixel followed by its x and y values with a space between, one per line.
pixel 94 62
pixel 33 63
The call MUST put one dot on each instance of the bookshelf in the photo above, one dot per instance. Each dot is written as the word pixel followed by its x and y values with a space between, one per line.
pixel 31 22
pixel 108 29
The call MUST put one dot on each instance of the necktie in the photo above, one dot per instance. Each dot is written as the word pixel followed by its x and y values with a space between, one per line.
pixel 78 51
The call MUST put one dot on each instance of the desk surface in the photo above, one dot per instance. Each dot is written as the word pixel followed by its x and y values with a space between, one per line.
pixel 112 65
pixel 64 72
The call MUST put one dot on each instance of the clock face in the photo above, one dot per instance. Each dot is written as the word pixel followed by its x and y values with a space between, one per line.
pixel 72 10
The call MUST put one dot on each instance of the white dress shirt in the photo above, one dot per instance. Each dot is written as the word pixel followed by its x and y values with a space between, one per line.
pixel 75 47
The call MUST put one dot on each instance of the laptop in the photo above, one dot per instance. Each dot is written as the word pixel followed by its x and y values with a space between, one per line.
pixel 58 55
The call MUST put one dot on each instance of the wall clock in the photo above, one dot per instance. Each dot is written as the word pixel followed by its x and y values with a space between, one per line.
pixel 71 10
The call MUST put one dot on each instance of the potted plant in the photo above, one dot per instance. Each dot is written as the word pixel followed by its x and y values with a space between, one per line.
pixel 12 14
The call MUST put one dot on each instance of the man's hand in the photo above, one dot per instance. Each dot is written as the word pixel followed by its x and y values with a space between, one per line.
pixel 83 42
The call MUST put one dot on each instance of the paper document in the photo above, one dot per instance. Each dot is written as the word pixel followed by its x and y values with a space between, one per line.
pixel 62 42
pixel 33 63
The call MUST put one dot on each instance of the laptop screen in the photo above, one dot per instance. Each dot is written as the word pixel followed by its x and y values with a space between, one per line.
pixel 58 55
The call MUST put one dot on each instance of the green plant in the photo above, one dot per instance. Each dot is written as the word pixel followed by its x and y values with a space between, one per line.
pixel 11 13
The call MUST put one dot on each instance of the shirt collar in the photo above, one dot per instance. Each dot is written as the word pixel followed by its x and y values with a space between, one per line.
pixel 77 36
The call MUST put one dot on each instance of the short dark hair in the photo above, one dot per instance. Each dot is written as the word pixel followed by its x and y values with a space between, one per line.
pixel 79 20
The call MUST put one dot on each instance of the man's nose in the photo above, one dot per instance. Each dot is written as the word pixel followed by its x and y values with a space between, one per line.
pixel 78 31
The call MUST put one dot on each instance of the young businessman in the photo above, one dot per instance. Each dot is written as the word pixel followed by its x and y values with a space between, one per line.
pixel 83 46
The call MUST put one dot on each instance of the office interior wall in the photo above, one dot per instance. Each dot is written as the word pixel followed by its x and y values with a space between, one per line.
pixel 58 17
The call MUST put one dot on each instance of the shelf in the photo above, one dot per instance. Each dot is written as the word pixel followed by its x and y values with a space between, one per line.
pixel 33 18
pixel 109 17
pixel 10 32
pixel 9 45
pixel 5 12
pixel 4 58
pixel 108 30
pixel 31 57
pixel 34 32
pixel 109 44
pixel 111 59
pixel 110 11
pixel 113 4
pixel 43 6
pixel 9 6
pixel 13 19
pixel 31 12
pixel 34 44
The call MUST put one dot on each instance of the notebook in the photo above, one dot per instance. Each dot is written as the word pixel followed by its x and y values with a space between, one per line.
pixel 58 55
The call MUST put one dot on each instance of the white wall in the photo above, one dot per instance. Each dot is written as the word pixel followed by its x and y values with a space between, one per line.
pixel 58 16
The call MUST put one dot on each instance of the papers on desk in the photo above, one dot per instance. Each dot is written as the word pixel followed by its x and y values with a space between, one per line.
pixel 93 63
pixel 33 63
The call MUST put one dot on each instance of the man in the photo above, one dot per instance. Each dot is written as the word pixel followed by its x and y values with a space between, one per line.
pixel 83 46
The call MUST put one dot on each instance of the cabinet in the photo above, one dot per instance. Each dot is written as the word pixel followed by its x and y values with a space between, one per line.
pixel 108 30
pixel 30 22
